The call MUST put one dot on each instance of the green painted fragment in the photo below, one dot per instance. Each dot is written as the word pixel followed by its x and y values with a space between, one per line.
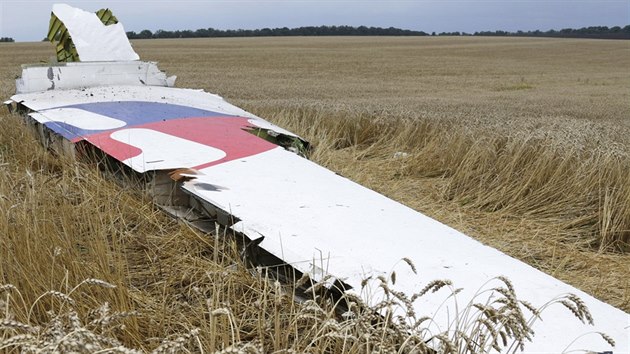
pixel 106 16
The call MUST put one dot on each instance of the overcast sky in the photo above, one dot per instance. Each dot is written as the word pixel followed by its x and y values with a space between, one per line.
pixel 27 20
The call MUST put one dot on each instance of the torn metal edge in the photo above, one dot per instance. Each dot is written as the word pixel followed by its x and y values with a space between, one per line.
pixel 10 105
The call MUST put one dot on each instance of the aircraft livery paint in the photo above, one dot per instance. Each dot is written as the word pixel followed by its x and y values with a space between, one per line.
pixel 221 131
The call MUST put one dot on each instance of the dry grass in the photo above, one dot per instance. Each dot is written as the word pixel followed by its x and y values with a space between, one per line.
pixel 521 143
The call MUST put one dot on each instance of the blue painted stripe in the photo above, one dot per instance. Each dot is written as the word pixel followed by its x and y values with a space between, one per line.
pixel 138 112
pixel 132 112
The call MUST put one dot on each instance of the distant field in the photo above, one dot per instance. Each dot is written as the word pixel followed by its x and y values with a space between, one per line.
pixel 521 143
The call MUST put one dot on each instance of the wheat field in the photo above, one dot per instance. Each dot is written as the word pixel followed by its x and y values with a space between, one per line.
pixel 520 143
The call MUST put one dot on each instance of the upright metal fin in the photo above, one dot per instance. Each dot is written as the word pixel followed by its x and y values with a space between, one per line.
pixel 97 37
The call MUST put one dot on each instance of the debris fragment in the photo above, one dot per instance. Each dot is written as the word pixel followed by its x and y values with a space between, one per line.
pixel 184 174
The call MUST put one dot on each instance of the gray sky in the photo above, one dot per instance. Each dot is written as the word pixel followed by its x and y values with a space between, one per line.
pixel 27 20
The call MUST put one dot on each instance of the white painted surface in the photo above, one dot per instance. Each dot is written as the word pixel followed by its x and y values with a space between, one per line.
pixel 163 151
pixel 93 40
pixel 78 118
pixel 84 75
pixel 323 223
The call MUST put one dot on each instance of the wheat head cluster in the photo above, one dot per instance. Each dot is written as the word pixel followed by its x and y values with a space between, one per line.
pixel 520 143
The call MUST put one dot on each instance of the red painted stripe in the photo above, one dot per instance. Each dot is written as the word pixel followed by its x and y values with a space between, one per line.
pixel 225 133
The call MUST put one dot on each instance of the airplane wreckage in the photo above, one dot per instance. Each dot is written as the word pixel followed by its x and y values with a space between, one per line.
pixel 207 161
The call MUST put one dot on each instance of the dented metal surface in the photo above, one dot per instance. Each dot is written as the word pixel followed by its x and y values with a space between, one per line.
pixel 209 161
pixel 63 76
